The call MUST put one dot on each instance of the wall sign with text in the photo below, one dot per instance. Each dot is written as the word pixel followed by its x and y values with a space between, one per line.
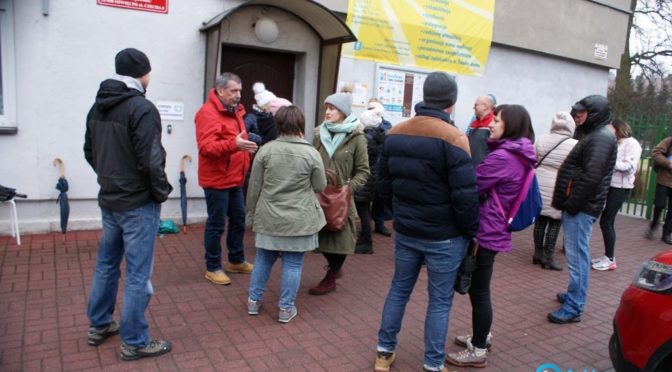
pixel 441 35
pixel 157 6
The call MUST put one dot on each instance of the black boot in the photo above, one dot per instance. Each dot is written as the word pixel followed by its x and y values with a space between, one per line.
pixel 548 259
pixel 667 237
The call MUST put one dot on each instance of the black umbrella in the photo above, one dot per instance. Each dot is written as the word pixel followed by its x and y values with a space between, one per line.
pixel 183 192
pixel 8 193
pixel 62 186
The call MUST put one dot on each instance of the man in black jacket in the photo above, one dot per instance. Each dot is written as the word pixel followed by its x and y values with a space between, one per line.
pixel 580 192
pixel 123 146
pixel 426 169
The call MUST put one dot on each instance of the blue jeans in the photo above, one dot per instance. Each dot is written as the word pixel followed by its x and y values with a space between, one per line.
pixel 127 235
pixel 292 263
pixel 222 204
pixel 443 259
pixel 577 229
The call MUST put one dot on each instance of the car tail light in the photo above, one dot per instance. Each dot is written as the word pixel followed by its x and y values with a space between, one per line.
pixel 654 276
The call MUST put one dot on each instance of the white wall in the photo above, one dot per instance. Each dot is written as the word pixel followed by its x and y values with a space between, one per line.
pixel 543 84
pixel 60 61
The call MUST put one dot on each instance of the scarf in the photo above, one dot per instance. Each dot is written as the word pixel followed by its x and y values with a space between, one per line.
pixel 482 122
pixel 340 130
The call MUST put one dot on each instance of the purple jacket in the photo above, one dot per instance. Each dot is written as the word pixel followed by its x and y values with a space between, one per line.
pixel 503 169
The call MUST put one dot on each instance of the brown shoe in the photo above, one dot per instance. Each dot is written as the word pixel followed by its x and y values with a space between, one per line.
pixel 384 361
pixel 218 277
pixel 243 268
pixel 327 285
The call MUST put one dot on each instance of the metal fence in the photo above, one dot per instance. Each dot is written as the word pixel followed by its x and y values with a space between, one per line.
pixel 649 130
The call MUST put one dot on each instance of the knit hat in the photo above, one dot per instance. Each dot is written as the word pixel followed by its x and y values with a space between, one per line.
pixel 439 90
pixel 342 101
pixel 376 107
pixel 132 62
pixel 370 118
pixel 275 104
pixel 261 95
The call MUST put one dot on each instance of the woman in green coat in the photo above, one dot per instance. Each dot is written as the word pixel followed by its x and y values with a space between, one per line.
pixel 341 143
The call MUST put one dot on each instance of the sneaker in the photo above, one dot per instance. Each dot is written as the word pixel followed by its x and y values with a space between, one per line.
pixel 98 335
pixel 384 361
pixel 598 260
pixel 218 277
pixel 605 265
pixel 243 268
pixel 153 349
pixel 465 341
pixel 253 307
pixel 444 369
pixel 561 316
pixel 286 315
pixel 469 357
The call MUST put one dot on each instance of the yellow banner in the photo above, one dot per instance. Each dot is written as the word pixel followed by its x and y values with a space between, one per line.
pixel 446 35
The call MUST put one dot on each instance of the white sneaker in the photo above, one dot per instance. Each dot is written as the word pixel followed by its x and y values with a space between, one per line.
pixel 605 265
pixel 598 260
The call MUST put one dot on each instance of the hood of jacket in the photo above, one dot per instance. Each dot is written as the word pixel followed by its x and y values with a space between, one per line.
pixel 563 124
pixel 112 92
pixel 599 112
pixel 519 146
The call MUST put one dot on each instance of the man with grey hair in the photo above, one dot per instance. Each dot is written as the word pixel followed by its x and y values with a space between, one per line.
pixel 224 153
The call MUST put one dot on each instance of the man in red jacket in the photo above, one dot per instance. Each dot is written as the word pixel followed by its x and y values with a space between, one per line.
pixel 223 160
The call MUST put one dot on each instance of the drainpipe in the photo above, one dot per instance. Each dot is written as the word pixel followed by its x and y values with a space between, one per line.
pixel 45 7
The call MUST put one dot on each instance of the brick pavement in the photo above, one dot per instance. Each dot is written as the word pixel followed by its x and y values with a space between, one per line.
pixel 44 286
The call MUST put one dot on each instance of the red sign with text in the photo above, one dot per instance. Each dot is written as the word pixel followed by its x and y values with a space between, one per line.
pixel 158 6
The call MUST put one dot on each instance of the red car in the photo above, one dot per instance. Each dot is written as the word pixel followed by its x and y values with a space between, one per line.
pixel 642 339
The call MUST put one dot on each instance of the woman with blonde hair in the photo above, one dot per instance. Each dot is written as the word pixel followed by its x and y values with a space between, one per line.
pixel 341 143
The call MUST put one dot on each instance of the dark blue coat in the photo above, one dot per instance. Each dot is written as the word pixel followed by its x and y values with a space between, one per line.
pixel 426 168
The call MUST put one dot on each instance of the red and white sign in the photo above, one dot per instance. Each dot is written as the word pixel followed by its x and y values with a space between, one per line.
pixel 158 6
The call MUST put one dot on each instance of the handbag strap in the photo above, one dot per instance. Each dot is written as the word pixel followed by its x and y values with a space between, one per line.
pixel 554 147
pixel 529 177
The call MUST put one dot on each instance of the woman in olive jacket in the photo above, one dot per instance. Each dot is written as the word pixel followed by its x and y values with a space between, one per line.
pixel 341 143
pixel 283 210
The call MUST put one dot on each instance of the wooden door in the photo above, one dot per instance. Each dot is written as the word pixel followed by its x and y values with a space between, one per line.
pixel 274 69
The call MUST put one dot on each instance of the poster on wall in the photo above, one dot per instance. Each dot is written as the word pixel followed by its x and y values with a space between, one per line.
pixel 399 90
pixel 453 36
pixel 157 6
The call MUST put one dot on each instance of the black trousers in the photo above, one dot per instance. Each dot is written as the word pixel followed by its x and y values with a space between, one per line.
pixel 335 261
pixel 479 294
pixel 615 199
pixel 663 199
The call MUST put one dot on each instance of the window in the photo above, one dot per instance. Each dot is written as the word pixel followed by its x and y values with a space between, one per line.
pixel 7 69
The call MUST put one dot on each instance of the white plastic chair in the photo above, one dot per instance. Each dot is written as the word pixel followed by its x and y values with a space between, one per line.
pixel 15 221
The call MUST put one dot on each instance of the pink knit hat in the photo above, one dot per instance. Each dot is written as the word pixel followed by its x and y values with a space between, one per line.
pixel 275 104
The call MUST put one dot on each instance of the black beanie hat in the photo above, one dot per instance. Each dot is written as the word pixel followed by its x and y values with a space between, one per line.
pixel 132 62
pixel 439 90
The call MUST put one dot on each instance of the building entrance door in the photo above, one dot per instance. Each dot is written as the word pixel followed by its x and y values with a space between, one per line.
pixel 275 70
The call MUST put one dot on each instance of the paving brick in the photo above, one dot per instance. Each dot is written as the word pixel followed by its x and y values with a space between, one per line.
pixel 44 285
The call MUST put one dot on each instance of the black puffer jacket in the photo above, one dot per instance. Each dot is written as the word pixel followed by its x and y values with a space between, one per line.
pixel 374 145
pixel 584 177
pixel 123 145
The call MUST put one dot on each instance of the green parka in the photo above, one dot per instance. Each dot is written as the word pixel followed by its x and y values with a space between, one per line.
pixel 351 162
pixel 286 174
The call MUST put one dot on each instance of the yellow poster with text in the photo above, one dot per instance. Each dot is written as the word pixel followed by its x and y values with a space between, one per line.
pixel 446 35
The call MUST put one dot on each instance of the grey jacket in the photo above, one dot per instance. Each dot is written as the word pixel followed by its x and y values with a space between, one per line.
pixel 286 174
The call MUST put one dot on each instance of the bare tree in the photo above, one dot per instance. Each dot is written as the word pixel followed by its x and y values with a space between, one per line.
pixel 652 29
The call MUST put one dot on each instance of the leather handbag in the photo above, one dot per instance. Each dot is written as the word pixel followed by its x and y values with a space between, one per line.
pixel 467 267
pixel 335 202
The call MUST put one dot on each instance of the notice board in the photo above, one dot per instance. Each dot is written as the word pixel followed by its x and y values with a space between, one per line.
pixel 399 90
